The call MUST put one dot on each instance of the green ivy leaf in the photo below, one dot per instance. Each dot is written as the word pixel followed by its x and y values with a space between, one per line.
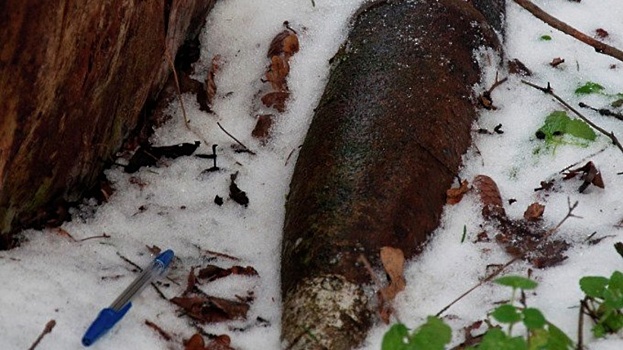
pixel 496 339
pixel 432 335
pixel 394 338
pixel 616 281
pixel 516 282
pixel 579 128
pixel 589 88
pixel 558 123
pixel 558 340
pixel 506 313
pixel 594 286
pixel 533 318
pixel 614 323
pixel 545 37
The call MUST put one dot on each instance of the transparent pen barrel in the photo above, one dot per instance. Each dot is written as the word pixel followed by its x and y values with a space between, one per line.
pixel 150 273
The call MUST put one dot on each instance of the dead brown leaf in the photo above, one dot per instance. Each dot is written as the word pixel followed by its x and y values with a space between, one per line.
pixel 209 309
pixel 454 195
pixel 534 212
pixel 276 99
pixel 588 173
pixel 262 127
pixel 278 72
pixel 286 43
pixel 195 343
pixel 393 260
pixel 222 342
pixel 557 61
pixel 213 272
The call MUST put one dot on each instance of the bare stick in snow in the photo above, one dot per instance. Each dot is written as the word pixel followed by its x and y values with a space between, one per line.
pixel 567 29
pixel 48 328
pixel 548 90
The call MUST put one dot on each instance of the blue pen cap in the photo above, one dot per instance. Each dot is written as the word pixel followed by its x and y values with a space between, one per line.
pixel 165 257
pixel 105 320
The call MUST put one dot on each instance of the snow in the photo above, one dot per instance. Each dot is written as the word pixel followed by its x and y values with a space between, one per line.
pixel 172 206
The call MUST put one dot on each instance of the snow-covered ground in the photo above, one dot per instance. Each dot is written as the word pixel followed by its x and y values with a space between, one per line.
pixel 172 206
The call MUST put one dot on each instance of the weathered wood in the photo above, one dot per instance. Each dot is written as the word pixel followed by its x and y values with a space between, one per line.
pixel 74 76
pixel 384 144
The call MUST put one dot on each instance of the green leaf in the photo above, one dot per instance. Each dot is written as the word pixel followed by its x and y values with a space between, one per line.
pixel 599 330
pixel 432 335
pixel 558 123
pixel 589 88
pixel 616 281
pixel 506 313
pixel 496 339
pixel 594 286
pixel 558 340
pixel 394 338
pixel 516 282
pixel 545 37
pixel 579 128
pixel 614 323
pixel 533 318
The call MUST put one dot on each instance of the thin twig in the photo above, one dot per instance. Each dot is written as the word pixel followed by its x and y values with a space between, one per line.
pixel 602 111
pixel 512 261
pixel 235 139
pixel 567 29
pixel 548 90
pixel 177 87
pixel 48 328
pixel 582 160
pixel 580 345
pixel 158 329
pixel 103 235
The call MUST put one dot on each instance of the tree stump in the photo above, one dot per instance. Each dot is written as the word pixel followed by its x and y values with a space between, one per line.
pixel 74 76
pixel 384 145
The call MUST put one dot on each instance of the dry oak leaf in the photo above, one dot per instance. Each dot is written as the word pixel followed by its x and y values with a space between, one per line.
pixel 393 260
pixel 209 309
pixel 277 73
pixel 276 99
pixel 262 127
pixel 454 195
pixel 286 43
pixel 534 212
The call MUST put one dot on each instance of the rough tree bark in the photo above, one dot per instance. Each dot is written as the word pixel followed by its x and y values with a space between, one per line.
pixel 384 145
pixel 74 76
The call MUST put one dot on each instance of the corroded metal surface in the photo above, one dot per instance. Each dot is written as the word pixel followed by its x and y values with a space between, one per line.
pixel 384 145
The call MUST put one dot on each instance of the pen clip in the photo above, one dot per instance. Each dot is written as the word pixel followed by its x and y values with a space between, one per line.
pixel 105 320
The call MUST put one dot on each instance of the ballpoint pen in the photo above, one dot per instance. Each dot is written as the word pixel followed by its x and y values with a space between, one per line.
pixel 109 316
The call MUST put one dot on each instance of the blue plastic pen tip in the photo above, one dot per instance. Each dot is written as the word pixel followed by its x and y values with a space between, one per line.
pixel 105 320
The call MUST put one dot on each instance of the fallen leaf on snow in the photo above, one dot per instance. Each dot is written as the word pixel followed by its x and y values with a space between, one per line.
pixel 589 174
pixel 239 196
pixel 213 272
pixel 454 195
pixel 534 212
pixel 276 99
pixel 393 261
pixel 209 309
pixel 262 127
pixel 286 43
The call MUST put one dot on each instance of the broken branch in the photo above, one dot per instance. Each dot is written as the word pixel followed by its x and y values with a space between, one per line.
pixel 48 329
pixel 512 261
pixel 548 90
pixel 235 139
pixel 567 29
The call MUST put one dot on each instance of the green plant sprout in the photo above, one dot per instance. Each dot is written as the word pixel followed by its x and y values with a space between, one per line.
pixel 603 302
pixel 594 88
pixel 432 335
pixel 540 334
pixel 558 124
